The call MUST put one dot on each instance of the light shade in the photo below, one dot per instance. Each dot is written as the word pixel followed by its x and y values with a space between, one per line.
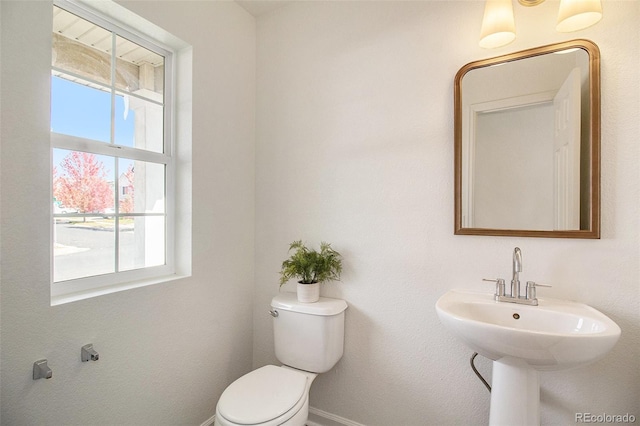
pixel 575 15
pixel 498 24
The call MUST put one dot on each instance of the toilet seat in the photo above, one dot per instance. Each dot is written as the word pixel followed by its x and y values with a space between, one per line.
pixel 264 395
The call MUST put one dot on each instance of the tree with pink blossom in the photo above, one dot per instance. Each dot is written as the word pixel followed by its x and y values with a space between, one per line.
pixel 83 184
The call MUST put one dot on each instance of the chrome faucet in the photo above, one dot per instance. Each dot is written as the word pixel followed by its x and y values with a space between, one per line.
pixel 517 268
pixel 530 296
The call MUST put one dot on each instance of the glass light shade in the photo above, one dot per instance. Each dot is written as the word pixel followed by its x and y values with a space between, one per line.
pixel 575 15
pixel 498 24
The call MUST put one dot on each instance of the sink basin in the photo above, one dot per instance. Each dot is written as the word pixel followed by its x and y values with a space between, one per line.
pixel 554 335
pixel 522 340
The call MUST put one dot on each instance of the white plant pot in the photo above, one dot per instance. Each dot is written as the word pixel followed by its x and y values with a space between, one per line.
pixel 308 293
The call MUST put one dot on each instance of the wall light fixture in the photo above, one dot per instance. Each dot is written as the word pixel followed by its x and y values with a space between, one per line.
pixel 498 23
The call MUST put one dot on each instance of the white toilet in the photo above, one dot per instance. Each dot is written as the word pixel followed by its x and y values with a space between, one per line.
pixel 309 340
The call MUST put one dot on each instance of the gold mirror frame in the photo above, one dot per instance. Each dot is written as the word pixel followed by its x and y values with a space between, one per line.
pixel 593 231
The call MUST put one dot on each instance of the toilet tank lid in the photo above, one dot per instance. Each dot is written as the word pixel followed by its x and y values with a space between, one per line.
pixel 325 306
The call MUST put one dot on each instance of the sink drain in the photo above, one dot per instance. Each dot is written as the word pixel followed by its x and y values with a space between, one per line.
pixel 516 316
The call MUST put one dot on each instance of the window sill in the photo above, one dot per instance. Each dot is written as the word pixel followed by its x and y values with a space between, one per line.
pixel 95 292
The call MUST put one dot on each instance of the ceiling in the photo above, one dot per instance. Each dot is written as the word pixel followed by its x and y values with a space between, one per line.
pixel 260 7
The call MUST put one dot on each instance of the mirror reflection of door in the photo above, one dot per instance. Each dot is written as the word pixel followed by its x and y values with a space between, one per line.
pixel 512 178
pixel 527 174
pixel 566 153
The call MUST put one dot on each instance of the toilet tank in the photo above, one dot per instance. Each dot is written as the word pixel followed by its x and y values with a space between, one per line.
pixel 308 336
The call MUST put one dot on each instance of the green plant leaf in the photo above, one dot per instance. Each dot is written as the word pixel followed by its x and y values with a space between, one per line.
pixel 310 266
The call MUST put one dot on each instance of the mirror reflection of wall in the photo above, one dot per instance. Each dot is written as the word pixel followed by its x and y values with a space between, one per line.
pixel 525 141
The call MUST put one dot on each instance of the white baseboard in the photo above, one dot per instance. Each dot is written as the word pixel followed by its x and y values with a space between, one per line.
pixel 210 421
pixel 316 418
pixel 322 418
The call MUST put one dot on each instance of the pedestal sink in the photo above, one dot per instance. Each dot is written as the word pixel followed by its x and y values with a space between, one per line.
pixel 523 340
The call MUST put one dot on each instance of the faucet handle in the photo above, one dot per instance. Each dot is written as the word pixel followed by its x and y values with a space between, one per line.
pixel 531 289
pixel 499 286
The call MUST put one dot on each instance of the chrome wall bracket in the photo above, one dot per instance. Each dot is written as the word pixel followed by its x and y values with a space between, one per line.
pixel 87 353
pixel 41 370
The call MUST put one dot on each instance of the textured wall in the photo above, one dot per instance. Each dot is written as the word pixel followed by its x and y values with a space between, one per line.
pixel 166 351
pixel 355 146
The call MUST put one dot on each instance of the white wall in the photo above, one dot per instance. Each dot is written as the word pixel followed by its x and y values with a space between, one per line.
pixel 355 147
pixel 166 351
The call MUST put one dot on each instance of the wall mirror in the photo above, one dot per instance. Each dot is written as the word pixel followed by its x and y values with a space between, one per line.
pixel 527 143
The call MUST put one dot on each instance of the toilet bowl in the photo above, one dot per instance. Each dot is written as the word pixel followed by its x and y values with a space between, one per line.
pixel 268 396
pixel 308 340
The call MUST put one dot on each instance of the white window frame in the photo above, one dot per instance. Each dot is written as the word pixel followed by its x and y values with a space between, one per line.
pixel 79 288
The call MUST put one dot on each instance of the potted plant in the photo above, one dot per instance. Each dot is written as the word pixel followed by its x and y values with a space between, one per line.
pixel 311 268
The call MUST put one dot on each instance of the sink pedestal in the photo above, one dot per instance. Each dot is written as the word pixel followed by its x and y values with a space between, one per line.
pixel 515 394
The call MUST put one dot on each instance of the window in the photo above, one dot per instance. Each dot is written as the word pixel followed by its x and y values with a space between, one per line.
pixel 112 154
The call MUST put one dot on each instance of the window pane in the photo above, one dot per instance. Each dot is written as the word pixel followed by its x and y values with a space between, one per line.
pixel 83 181
pixel 139 70
pixel 83 247
pixel 141 187
pixel 139 123
pixel 143 71
pixel 80 110
pixel 81 47
pixel 142 242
